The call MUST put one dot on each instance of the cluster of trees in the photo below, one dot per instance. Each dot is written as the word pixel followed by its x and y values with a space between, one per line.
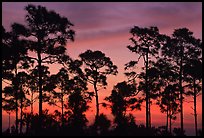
pixel 172 70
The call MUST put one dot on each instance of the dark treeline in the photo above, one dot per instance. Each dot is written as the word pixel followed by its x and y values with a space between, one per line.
pixel 172 71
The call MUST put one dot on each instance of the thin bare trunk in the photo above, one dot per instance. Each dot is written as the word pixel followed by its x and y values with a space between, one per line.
pixel 9 123
pixel 149 113
pixel 62 104
pixel 181 89
pixel 97 104
pixel 147 93
pixel 21 124
pixel 27 125
pixel 170 121
pixel 195 112
pixel 40 84
pixel 167 118
pixel 31 103
pixel 16 98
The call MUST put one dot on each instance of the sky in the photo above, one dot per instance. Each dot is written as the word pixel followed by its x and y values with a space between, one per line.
pixel 105 26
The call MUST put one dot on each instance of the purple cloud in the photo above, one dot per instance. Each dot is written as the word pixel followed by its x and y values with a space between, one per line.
pixel 111 17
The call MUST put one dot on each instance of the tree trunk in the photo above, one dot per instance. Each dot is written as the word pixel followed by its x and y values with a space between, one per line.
pixel 40 89
pixel 97 104
pixel 149 113
pixel 170 122
pixel 21 124
pixel 9 122
pixel 62 102
pixel 180 86
pixel 16 98
pixel 16 115
pixel 31 103
pixel 167 118
pixel 181 93
pixel 27 125
pixel 147 93
pixel 195 112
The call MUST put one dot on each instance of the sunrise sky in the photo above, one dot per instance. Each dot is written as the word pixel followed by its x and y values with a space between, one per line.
pixel 105 26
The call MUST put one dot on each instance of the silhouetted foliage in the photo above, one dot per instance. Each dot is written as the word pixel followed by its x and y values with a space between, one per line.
pixel 178 132
pixel 77 120
pixel 193 71
pixel 14 58
pixel 47 33
pixel 169 103
pixel 21 78
pixel 145 43
pixel 121 99
pixel 10 96
pixel 98 66
pixel 7 62
pixel 166 76
pixel 180 48
pixel 61 81
pixel 167 89
pixel 153 85
pixel 104 125
pixel 77 103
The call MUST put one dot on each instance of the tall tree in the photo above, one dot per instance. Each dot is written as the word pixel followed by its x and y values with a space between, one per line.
pixel 32 84
pixel 193 71
pixel 8 99
pixel 7 65
pixel 14 58
pixel 168 88
pixel 61 81
pixel 98 66
pixel 154 86
pixel 146 43
pixel 22 78
pixel 169 104
pixel 47 33
pixel 180 48
pixel 9 103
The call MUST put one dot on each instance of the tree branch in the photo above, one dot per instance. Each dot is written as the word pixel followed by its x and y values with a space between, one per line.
pixel 31 58
pixel 90 81
pixel 50 56
pixel 6 82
